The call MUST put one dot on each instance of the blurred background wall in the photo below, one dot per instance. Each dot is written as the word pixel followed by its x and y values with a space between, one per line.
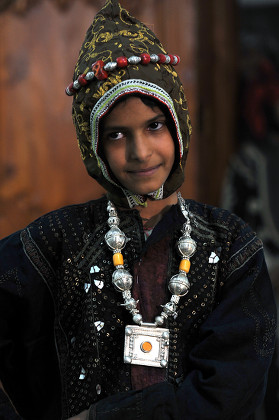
pixel 40 167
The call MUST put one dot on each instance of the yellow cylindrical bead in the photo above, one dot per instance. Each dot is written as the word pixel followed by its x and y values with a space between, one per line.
pixel 118 259
pixel 185 265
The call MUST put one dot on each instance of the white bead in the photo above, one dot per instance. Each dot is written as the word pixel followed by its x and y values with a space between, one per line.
pixel 168 59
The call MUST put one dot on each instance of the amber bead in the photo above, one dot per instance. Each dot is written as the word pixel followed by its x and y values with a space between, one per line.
pixel 118 259
pixel 185 265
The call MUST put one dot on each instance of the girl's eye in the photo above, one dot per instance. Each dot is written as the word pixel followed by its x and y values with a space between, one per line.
pixel 115 136
pixel 156 125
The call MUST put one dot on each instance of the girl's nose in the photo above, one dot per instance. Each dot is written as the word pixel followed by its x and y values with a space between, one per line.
pixel 140 148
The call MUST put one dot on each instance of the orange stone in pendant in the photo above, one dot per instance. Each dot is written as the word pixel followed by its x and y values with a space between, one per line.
pixel 146 347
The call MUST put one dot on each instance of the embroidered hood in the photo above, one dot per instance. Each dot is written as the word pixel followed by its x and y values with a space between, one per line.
pixel 121 56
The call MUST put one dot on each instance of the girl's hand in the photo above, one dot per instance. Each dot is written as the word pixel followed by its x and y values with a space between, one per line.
pixel 81 416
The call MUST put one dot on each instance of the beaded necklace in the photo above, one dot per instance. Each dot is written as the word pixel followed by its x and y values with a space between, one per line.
pixel 148 343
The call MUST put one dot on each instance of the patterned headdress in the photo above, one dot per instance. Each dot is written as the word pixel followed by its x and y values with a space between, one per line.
pixel 121 56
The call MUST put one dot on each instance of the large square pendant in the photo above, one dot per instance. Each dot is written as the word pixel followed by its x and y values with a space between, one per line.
pixel 148 346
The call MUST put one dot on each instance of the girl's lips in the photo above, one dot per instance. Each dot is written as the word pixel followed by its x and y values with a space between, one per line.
pixel 145 172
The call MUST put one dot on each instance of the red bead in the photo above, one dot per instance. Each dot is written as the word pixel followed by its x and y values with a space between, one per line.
pixel 171 58
pixel 82 81
pixel 122 61
pixel 145 58
pixel 162 58
pixel 98 69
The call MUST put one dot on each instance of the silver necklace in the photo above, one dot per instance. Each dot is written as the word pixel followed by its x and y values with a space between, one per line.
pixel 148 343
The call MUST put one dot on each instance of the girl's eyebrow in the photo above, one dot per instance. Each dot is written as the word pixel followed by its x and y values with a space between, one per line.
pixel 114 127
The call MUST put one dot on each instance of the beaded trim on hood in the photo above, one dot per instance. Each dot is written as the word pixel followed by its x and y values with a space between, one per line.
pixel 102 107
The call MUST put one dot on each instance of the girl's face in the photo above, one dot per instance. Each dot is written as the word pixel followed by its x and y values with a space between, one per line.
pixel 138 146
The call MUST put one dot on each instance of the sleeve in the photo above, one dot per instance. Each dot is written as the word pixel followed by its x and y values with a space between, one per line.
pixel 229 363
pixel 26 334
pixel 10 321
pixel 7 411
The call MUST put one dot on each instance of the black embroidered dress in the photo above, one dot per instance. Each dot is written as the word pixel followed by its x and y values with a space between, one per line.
pixel 62 325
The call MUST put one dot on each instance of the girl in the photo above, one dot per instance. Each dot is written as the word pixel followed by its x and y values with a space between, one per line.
pixel 140 304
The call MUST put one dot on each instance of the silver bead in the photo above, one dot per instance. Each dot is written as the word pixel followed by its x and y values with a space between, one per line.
pixel 168 59
pixel 164 363
pixel 128 331
pixel 165 335
pixel 130 304
pixel 159 320
pixel 115 238
pixel 175 60
pixel 127 359
pixel 154 58
pixel 122 280
pixel 186 246
pixel 110 66
pixel 113 221
pixel 187 229
pixel 68 92
pixel 169 308
pixel 110 206
pixel 134 59
pixel 137 318
pixel 76 85
pixel 179 284
pixel 175 299
pixel 89 76
pixel 126 295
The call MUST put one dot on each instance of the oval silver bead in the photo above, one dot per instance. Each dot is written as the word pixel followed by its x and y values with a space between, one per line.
pixel 134 59
pixel 89 76
pixel 110 66
pixel 168 59
pixel 76 84
pixel 122 280
pixel 186 246
pixel 179 284
pixel 154 58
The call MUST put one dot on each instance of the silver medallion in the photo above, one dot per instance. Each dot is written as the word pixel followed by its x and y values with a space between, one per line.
pixel 146 345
